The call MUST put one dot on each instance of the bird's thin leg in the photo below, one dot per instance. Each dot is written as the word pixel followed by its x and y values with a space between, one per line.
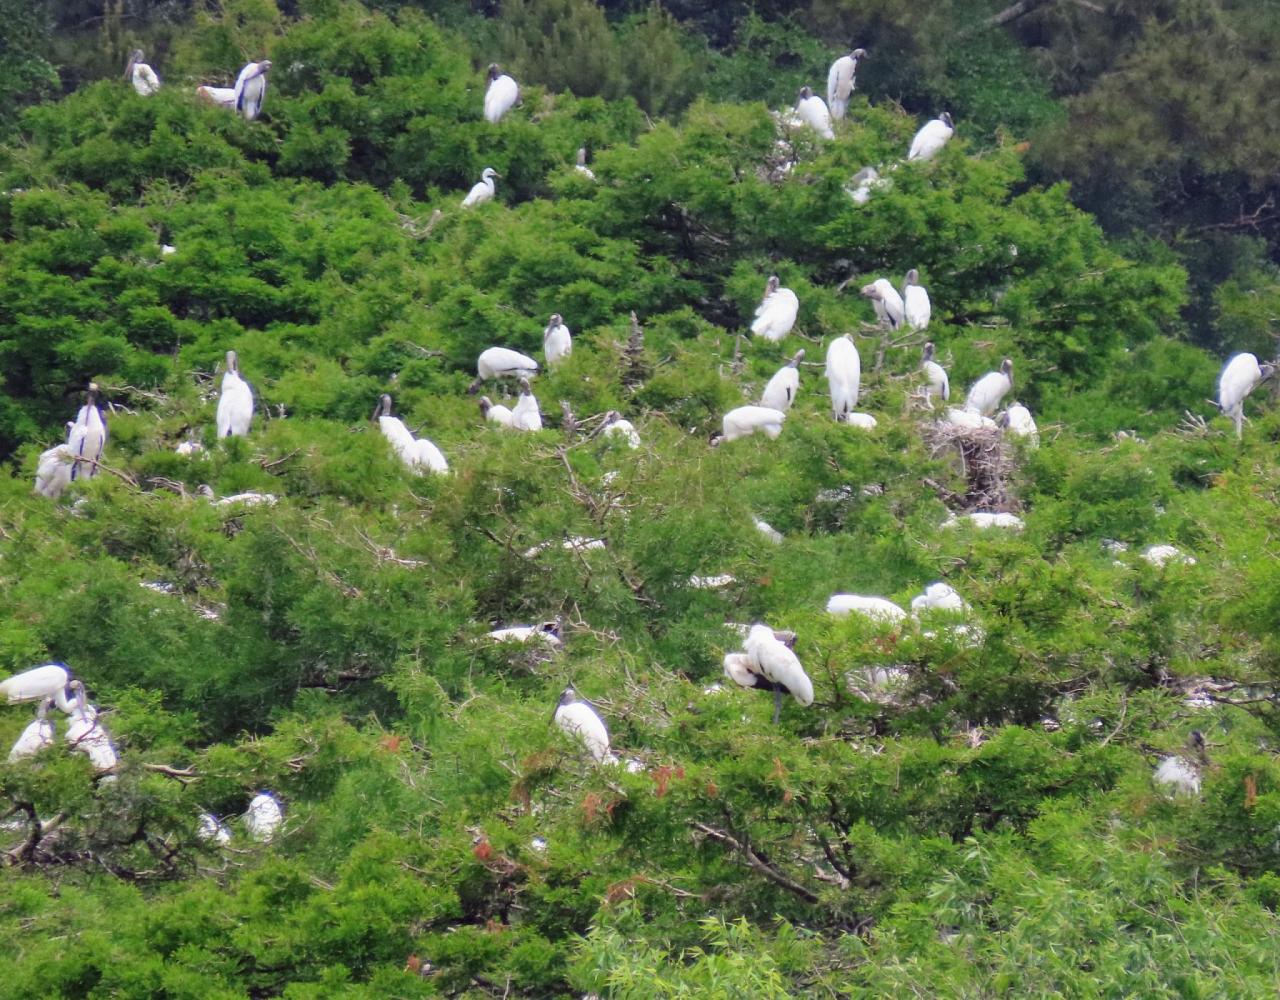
pixel 777 705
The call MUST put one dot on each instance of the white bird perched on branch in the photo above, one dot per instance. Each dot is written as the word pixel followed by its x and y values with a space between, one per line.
pixel 223 97
pixel 986 393
pixel 482 190
pixel 842 78
pixel 557 342
pixel 235 403
pixel 263 817
pixel 142 76
pixel 419 454
pixel 1240 376
pixel 781 390
pixel 38 734
pixel 931 138
pixel 773 660
pixel 968 418
pixel 616 426
pixel 525 415
pixel 502 362
pixel 50 680
pixel 777 312
pixel 936 381
pixel 877 609
pixel 916 308
pixel 86 733
pixel 938 597
pixel 747 420
pixel 1180 773
pixel 53 471
pixel 547 632
pixel 888 304
pixel 844 376
pixel 500 95
pixel 865 183
pixel 212 831
pixel 87 436
pixel 251 88
pixel 812 110
pixel 578 718
pixel 495 413
pixel 1017 420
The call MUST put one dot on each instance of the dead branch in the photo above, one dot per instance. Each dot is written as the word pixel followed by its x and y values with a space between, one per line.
pixel 755 862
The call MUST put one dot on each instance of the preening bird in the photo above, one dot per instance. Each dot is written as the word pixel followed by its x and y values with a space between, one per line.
pixel 502 362
pixel 579 719
pixel 235 404
pixel 50 680
pixel 841 80
pixel 938 597
pixel 1180 773
pixel 1017 420
pixel 936 381
pixel 931 138
pixel 501 94
pixel 547 632
pixel 1240 376
pixel 615 425
pixel 87 436
pixel 888 304
pixel 53 471
pixel 525 415
pixel 773 660
pixel 747 420
pixel 986 393
pixel 776 314
pixel 38 734
pixel 844 376
pixel 877 609
pixel 916 309
pixel 495 412
pixel 581 165
pixel 780 393
pixel 812 110
pixel 482 190
pixel 142 76
pixel 557 342
pixel 223 97
pixel 251 88
pixel 263 817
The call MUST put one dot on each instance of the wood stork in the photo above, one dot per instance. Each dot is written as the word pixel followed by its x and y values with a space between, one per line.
pixel 812 110
pixel 212 831
pixel 615 426
pixel 865 183
pixel 557 342
pixel 87 436
pixel 1160 556
pixel 916 309
pixel 931 138
pixel 53 471
pixel 547 632
pixel 578 543
pixel 142 76
pixel 189 449
pixel 248 499
pixel 938 597
pixel 989 519
pixel 427 457
pixel 223 97
pixel 877 609
pixel 502 362
pixel 578 718
pixel 781 390
pixel 888 304
pixel 936 381
pixel 50 680
pixel 581 165
pixel 86 733
pixel 501 94
pixel 844 376
pixel 968 418
pixel 235 404
pixel 986 393
pixel 766 529
pixel 251 88
pixel 747 420
pixel 419 454
pixel 1240 376
pixel 495 413
pixel 263 817
pixel 38 734
pixel 482 190
pixel 774 661
pixel 776 314
pixel 861 421
pixel 1017 420
pixel 841 80
pixel 525 415
pixel 1180 773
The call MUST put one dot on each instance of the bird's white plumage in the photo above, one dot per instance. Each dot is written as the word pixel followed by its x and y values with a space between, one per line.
pixel 500 96
pixel 545 633
pixel 877 609
pixel 53 471
pixel 1178 775
pixel 865 183
pixel 579 720
pixel 1017 420
pixel 557 341
pixel 777 312
pixel 938 597
pixel 483 190
pixel 223 97
pixel 38 735
pixel 990 519
pixel 841 80
pixel 780 392
pixel 428 458
pixel 887 302
pixel 747 420
pixel 936 381
pixel 986 393
pixel 235 403
pixel 251 88
pixel 1240 376
pixel 616 426
pixel 844 375
pixel 775 662
pixel 144 79
pixel 860 421
pixel 47 681
pixel 87 437
pixel 263 817
pixel 496 413
pixel 768 530
pixel 525 415
pixel 916 308
pixel 931 138
pixel 1162 555
pixel 968 418
pixel 85 733
pixel 502 362
pixel 213 832
pixel 813 111
pixel 581 165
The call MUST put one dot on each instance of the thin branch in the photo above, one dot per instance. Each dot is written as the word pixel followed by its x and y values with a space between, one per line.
pixel 754 862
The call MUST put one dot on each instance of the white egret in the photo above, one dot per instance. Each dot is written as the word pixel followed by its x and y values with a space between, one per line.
pixel 525 415
pixel 986 393
pixel 931 138
pixel 1017 420
pixel 616 426
pixel 212 831
pixel 38 735
pixel 916 308
pixel 482 190
pixel 937 383
pixel 223 97
pixel 877 609
pixel 812 110
pixel 581 165
pixel 938 597
pixel 53 471
pixel 557 342
pixel 87 436
pixel 578 718
pixel 501 94
pixel 547 632
pixel 251 88
pixel 263 817
pixel 747 420
pixel 235 404
pixel 50 680
pixel 502 362
pixel 841 80
pixel 1180 773
pixel 844 376
pixel 776 314
pixel 1240 376
pixel 142 76
pixel 495 413
pixel 774 661
pixel 781 390
pixel 888 304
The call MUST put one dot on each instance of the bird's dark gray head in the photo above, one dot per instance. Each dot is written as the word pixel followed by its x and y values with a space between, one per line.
pixel 1196 740
pixel 1006 368
pixel 771 285
pixel 567 697
pixel 524 387
pixel 612 417
pixel 92 394
pixel 264 66
pixel 555 320
pixel 928 350
pixel 495 71
pixel 486 404
pixel 135 57
pixel 795 361
pixel 551 628
pixel 1268 369
pixel 1002 418
pixel 945 118
pixel 582 156
pixel 233 362
pixel 383 409
pixel 858 54
pixel 913 277
pixel 871 291
pixel 805 93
